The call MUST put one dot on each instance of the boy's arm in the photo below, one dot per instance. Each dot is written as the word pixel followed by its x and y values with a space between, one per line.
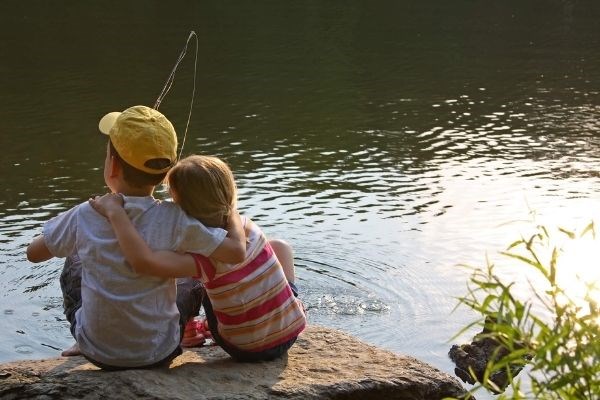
pixel 233 248
pixel 37 251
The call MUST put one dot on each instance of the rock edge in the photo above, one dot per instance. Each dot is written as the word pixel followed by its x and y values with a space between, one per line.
pixel 323 364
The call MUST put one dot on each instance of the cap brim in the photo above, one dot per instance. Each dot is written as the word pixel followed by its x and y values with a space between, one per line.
pixel 107 122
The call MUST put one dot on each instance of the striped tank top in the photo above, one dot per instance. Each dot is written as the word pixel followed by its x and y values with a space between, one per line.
pixel 252 301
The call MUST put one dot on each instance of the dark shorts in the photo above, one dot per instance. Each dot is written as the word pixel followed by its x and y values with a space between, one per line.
pixel 189 300
pixel 242 355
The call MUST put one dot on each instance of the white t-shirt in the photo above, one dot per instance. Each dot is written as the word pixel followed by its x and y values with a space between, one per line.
pixel 127 319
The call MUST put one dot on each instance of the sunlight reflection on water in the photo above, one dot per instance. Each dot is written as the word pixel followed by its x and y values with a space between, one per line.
pixel 580 275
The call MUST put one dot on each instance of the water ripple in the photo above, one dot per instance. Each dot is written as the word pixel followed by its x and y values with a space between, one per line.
pixel 387 144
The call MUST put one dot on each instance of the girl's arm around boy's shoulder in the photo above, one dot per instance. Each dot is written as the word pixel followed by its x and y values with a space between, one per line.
pixel 167 264
pixel 233 248
pixel 141 257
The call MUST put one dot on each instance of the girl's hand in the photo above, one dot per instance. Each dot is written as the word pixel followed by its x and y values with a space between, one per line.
pixel 108 204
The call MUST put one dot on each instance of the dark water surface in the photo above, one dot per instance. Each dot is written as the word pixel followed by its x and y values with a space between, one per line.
pixel 387 141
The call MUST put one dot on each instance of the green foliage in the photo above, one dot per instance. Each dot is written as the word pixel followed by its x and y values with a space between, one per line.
pixel 550 332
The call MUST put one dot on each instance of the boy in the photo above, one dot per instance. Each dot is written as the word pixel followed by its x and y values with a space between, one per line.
pixel 121 319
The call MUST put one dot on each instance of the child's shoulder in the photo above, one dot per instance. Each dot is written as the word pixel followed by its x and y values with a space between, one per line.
pixel 83 208
pixel 251 228
pixel 248 223
pixel 169 208
pixel 170 212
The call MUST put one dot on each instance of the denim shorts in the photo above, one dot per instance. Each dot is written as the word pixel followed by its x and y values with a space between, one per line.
pixel 189 299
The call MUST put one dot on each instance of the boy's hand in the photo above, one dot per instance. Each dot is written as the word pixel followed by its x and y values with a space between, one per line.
pixel 108 204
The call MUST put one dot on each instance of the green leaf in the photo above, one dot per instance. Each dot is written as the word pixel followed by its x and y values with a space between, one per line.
pixel 589 228
pixel 553 260
pixel 570 234
pixel 556 335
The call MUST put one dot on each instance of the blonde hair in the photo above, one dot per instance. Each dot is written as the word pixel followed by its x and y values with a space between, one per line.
pixel 204 187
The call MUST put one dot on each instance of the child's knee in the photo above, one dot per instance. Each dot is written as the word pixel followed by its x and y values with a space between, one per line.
pixel 285 255
pixel 281 246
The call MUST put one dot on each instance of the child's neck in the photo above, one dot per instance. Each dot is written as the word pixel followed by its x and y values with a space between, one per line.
pixel 128 190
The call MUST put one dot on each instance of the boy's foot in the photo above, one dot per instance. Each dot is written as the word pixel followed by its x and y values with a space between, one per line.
pixel 195 334
pixel 71 351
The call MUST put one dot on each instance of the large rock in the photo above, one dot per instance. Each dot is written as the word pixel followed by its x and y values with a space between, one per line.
pixel 323 364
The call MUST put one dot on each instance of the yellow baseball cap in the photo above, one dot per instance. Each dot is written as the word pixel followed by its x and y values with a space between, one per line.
pixel 140 134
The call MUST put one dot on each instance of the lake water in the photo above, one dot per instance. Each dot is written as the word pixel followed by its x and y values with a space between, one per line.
pixel 387 141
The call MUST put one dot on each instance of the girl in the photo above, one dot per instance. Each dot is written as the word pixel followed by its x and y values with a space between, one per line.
pixel 251 307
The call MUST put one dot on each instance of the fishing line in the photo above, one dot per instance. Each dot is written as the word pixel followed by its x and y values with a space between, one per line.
pixel 169 83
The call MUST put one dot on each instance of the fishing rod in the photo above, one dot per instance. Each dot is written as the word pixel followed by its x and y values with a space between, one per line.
pixel 169 83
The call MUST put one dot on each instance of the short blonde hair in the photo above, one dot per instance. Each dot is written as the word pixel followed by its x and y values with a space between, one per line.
pixel 205 188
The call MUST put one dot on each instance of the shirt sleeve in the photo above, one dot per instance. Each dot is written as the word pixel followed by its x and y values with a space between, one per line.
pixel 197 238
pixel 60 233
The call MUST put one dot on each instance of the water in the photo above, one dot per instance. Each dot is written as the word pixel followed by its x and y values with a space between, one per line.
pixel 387 141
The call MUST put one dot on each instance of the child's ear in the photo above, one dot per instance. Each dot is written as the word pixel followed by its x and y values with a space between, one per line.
pixel 115 167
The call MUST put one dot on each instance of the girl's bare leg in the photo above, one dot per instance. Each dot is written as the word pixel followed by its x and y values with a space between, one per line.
pixel 285 255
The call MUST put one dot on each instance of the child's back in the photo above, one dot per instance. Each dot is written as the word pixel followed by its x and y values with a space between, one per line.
pixel 126 319
pixel 252 306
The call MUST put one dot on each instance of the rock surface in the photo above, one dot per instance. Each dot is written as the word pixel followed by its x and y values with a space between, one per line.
pixel 323 364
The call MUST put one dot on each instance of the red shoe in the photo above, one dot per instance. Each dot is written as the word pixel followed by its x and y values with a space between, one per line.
pixel 195 333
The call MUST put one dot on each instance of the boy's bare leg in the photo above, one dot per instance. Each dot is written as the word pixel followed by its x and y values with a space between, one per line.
pixel 71 351
pixel 70 285
pixel 285 255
